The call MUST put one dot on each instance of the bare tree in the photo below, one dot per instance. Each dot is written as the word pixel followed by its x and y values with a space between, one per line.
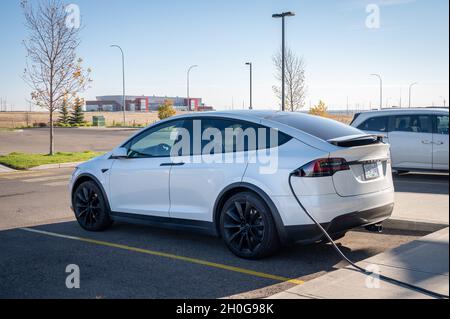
pixel 295 79
pixel 53 71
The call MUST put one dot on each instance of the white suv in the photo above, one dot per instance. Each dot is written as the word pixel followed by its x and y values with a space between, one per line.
pixel 418 137
pixel 227 185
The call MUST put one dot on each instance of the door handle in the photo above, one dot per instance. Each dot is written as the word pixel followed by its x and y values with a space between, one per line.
pixel 439 143
pixel 426 142
pixel 172 164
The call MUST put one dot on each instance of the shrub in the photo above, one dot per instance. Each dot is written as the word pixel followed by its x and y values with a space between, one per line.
pixel 319 110
pixel 166 110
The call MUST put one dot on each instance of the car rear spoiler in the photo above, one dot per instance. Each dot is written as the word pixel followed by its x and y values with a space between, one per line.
pixel 356 140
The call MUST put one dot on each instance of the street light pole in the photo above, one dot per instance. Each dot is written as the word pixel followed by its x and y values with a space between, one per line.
pixel 410 88
pixel 283 63
pixel 381 89
pixel 445 101
pixel 251 84
pixel 188 92
pixel 123 81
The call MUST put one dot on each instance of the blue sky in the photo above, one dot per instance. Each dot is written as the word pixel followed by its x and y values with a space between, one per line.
pixel 162 38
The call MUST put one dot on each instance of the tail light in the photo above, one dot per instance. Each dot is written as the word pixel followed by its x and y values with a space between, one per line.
pixel 322 167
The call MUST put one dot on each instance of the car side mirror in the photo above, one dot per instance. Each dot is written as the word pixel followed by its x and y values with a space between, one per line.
pixel 119 153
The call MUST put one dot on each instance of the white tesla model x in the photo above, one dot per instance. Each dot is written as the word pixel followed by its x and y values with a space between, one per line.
pixel 228 174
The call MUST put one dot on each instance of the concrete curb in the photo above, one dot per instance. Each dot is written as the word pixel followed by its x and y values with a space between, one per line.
pixel 4 169
pixel 53 166
pixel 413 225
pixel 116 129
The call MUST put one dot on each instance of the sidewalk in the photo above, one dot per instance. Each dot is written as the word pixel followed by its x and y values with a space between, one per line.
pixel 423 263
pixel 429 213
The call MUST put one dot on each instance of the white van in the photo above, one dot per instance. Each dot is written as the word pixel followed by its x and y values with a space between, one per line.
pixel 418 136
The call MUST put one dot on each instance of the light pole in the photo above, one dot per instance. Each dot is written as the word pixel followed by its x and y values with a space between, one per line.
pixel 123 81
pixel 381 89
pixel 188 92
pixel 283 64
pixel 410 89
pixel 251 84
pixel 445 101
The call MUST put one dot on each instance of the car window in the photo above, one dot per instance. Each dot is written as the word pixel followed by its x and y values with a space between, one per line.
pixel 236 136
pixel 442 124
pixel 156 142
pixel 375 124
pixel 413 123
pixel 317 126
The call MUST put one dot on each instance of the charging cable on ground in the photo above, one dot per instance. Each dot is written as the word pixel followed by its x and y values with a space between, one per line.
pixel 385 278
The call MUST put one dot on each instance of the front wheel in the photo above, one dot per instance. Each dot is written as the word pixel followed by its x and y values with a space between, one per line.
pixel 247 226
pixel 90 207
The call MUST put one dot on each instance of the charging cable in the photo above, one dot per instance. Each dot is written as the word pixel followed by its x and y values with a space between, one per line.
pixel 370 273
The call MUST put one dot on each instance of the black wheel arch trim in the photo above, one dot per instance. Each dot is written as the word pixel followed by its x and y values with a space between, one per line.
pixel 282 234
pixel 96 181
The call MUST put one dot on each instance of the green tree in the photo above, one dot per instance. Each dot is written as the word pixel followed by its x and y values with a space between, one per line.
pixel 166 110
pixel 77 116
pixel 319 110
pixel 64 116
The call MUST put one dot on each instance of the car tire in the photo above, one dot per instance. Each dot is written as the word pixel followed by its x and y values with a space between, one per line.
pixel 90 207
pixel 247 227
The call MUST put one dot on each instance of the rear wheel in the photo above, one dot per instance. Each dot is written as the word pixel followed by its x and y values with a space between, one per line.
pixel 90 207
pixel 247 226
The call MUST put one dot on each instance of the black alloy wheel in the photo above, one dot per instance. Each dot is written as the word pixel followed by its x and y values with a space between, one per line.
pixel 247 226
pixel 90 208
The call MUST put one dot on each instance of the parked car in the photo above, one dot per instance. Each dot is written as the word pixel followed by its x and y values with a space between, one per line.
pixel 341 175
pixel 418 137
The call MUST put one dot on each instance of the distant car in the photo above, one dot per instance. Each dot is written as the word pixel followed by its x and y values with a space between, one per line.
pixel 418 137
pixel 342 176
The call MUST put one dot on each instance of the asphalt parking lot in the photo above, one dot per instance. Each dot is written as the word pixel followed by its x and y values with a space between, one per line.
pixel 33 264
pixel 131 261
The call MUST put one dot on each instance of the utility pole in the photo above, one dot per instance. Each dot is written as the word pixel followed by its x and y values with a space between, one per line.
pixel 188 84
pixel 123 82
pixel 283 49
pixel 251 84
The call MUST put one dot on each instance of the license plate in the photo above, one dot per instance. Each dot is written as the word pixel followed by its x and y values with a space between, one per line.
pixel 371 171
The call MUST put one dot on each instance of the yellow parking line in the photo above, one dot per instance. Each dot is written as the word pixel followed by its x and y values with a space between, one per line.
pixel 171 256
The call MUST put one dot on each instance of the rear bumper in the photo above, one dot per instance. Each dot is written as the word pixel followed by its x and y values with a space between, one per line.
pixel 311 233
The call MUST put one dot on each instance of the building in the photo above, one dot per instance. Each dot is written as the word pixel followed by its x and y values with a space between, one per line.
pixel 113 103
